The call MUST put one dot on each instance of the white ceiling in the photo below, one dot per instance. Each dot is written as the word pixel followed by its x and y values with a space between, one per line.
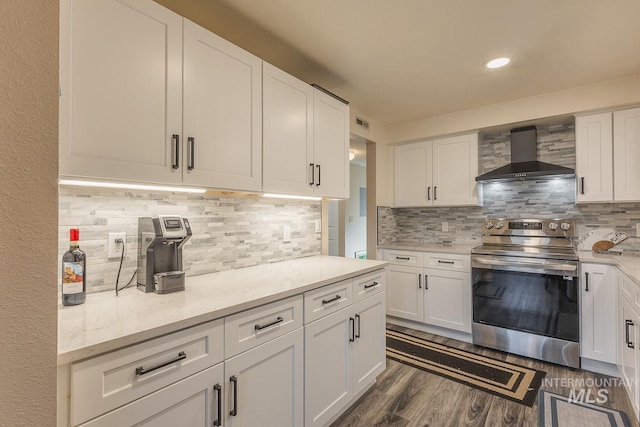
pixel 398 60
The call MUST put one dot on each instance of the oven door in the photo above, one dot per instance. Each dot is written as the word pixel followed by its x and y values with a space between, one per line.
pixel 536 296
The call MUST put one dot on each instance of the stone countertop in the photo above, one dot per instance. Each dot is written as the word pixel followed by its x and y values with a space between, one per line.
pixel 628 264
pixel 106 322
pixel 434 247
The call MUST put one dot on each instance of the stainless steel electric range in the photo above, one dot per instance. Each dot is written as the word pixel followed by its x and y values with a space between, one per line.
pixel 526 291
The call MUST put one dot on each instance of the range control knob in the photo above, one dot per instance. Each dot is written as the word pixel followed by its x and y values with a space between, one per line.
pixel 565 226
pixel 488 225
pixel 499 225
pixel 553 226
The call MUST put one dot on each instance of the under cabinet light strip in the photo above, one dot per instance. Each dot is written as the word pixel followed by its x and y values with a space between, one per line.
pixel 130 186
pixel 290 196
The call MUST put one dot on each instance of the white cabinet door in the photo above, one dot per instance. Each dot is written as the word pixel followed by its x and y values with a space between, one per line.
pixel 626 152
pixel 194 401
pixel 264 385
pixel 328 360
pixel 287 133
pixel 629 334
pixel 455 167
pixel 594 158
pixel 369 346
pixel 404 292
pixel 330 146
pixel 599 296
pixel 222 130
pixel 120 90
pixel 447 299
pixel 412 171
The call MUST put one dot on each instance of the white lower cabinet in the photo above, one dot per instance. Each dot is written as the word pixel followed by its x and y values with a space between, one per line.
pixel 598 304
pixel 430 288
pixel 344 353
pixel 264 386
pixel 628 321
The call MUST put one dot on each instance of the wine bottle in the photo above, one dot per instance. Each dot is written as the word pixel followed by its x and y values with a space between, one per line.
pixel 74 280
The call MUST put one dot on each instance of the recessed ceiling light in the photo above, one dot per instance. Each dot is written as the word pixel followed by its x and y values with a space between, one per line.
pixel 498 62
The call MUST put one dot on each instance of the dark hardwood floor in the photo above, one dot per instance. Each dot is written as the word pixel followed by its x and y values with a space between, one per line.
pixel 406 396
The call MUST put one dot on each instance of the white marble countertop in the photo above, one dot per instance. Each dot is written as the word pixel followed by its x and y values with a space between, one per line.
pixel 629 264
pixel 434 247
pixel 106 322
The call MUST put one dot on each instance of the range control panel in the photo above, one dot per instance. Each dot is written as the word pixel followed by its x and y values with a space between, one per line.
pixel 529 227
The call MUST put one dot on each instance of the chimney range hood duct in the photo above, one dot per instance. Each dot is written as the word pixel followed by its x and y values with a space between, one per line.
pixel 524 165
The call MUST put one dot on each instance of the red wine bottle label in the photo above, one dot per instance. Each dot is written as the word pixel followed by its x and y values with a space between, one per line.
pixel 72 278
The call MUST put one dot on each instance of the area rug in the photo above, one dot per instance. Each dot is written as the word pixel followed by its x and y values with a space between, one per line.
pixel 517 383
pixel 559 411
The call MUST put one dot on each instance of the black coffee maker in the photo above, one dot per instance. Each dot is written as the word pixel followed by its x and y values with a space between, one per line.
pixel 160 242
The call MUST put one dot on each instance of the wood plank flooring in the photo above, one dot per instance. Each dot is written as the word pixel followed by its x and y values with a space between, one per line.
pixel 406 396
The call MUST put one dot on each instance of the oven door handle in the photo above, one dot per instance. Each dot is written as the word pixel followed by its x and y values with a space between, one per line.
pixel 492 263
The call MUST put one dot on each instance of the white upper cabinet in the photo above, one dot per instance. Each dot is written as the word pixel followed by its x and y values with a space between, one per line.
pixel 594 158
pixel 121 90
pixel 287 132
pixel 123 113
pixel 222 125
pixel 441 172
pixel 305 138
pixel 626 152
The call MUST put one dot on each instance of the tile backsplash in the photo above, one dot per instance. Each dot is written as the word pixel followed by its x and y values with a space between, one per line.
pixel 229 231
pixel 519 199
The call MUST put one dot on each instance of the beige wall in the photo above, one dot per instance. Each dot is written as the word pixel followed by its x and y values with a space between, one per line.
pixel 29 211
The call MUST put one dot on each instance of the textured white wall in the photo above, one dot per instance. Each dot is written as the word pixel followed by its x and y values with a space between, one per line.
pixel 28 211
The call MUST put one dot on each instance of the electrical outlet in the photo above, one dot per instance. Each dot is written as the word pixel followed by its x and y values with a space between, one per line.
pixel 445 226
pixel 286 234
pixel 317 226
pixel 115 249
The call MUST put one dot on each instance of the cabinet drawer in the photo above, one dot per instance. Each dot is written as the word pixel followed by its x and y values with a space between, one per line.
pixel 327 299
pixel 454 262
pixel 109 381
pixel 368 284
pixel 404 257
pixel 253 327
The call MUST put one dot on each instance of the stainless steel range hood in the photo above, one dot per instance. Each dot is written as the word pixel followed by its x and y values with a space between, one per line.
pixel 523 164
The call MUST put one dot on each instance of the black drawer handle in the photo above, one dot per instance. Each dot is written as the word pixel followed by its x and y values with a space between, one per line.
pixel 218 391
pixel 403 258
pixel 371 285
pixel 275 322
pixel 334 299
pixel 234 380
pixel 446 262
pixel 141 370
pixel 628 323
pixel 586 282
pixel 358 334
pixel 352 323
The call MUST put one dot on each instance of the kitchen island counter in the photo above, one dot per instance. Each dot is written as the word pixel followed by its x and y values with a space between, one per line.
pixel 106 322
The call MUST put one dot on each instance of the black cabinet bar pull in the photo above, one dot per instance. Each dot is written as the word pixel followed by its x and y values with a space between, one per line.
pixel 313 173
pixel 218 391
pixel 191 146
pixel 404 258
pixel 318 169
pixel 352 324
pixel 334 299
pixel 628 323
pixel 358 318
pixel 259 327
pixel 426 282
pixel 435 193
pixel 586 282
pixel 142 370
pixel 446 262
pixel 234 410
pixel 419 281
pixel 429 193
pixel 371 285
pixel 582 185
pixel 175 161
